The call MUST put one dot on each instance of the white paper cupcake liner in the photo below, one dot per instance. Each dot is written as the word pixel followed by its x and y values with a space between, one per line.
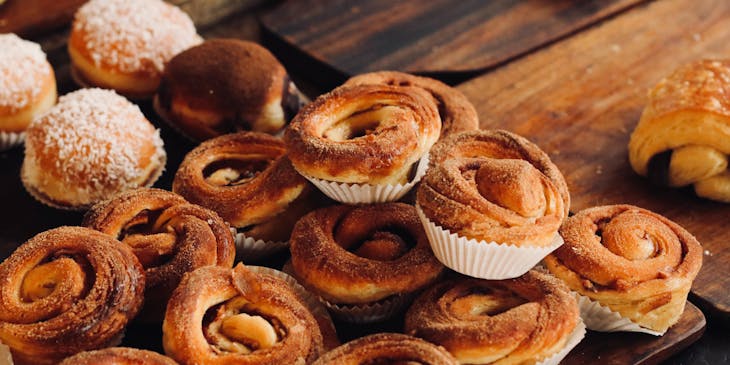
pixel 573 340
pixel 366 193
pixel 601 318
pixel 252 249
pixel 368 312
pixel 480 259
pixel 6 358
pixel 9 140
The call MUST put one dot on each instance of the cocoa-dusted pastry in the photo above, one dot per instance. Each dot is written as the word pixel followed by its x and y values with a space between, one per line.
pixel 224 316
pixel 633 261
pixel 118 356
pixel 125 44
pixel 457 113
pixel 226 85
pixel 168 235
pixel 27 87
pixel 387 348
pixel 517 321
pixel 67 290
pixel 247 178
pixel 496 191
pixel 363 261
pixel 90 146
pixel 683 137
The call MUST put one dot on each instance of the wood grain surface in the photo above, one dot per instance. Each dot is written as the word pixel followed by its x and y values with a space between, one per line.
pixel 428 36
pixel 622 348
pixel 581 98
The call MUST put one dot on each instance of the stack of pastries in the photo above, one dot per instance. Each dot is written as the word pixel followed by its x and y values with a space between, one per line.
pixel 329 182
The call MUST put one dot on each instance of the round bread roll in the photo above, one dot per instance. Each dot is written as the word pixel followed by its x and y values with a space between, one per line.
pixel 90 146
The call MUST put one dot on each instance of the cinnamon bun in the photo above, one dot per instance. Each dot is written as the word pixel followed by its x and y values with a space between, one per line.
pixel 517 321
pixel 633 261
pixel 224 316
pixel 456 112
pixel 387 348
pixel 168 235
pixel 118 356
pixel 67 290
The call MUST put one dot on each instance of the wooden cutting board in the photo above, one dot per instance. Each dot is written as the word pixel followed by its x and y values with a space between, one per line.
pixel 581 98
pixel 427 36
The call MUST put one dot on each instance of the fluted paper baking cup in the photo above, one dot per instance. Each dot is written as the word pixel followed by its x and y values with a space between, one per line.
pixel 481 259
pixel 601 318
pixel 367 193
pixel 6 358
pixel 9 140
pixel 573 340
pixel 251 249
pixel 369 312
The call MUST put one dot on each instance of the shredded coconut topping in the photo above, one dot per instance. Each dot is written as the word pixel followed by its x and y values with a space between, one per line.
pixel 23 67
pixel 98 139
pixel 134 35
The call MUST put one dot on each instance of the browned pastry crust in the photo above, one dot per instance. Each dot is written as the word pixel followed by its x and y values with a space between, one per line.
pixel 169 236
pixel 387 348
pixel 494 186
pixel 515 321
pixel 118 356
pixel 366 134
pixel 354 255
pixel 246 178
pixel 457 113
pixel 67 290
pixel 227 85
pixel 224 316
pixel 636 262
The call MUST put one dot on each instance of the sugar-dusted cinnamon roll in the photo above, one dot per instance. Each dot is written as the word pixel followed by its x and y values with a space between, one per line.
pixel 67 290
pixel 387 348
pixel 224 316
pixel 683 137
pixel 118 356
pixel 362 255
pixel 516 321
pixel 247 178
pixel 633 261
pixel 366 134
pixel 168 235
pixel 457 113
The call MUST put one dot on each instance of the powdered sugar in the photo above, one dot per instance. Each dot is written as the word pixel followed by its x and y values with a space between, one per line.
pixel 97 138
pixel 23 66
pixel 134 35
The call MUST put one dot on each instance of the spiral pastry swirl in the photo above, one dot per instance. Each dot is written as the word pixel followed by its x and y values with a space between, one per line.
pixel 118 356
pixel 683 136
pixel 515 321
pixel 67 290
pixel 636 262
pixel 456 112
pixel 168 235
pixel 365 134
pixel 387 348
pixel 224 316
pixel 247 179
pixel 494 186
pixel 356 255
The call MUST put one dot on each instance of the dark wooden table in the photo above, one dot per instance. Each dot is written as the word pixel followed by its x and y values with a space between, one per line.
pixel 485 53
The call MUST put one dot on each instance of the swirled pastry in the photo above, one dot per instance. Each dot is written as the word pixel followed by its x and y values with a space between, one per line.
pixel 67 290
pixel 456 112
pixel 360 255
pixel 387 348
pixel 494 186
pixel 247 178
pixel 168 235
pixel 365 134
pixel 226 85
pixel 683 137
pixel 515 321
pixel 636 262
pixel 118 356
pixel 224 316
